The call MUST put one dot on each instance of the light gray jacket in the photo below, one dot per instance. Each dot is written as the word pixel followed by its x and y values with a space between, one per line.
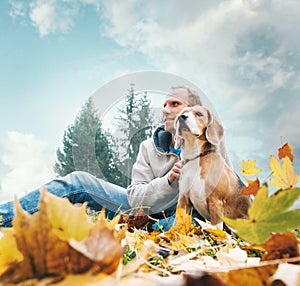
pixel 149 187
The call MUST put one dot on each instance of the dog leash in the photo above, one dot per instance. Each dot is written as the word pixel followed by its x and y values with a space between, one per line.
pixel 198 156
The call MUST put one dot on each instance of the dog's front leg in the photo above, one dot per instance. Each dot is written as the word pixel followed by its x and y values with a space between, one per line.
pixel 184 203
pixel 215 209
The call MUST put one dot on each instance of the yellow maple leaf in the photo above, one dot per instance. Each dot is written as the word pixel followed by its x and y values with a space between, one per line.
pixel 268 214
pixel 283 177
pixel 50 247
pixel 183 221
pixel 8 249
pixel 249 169
pixel 71 224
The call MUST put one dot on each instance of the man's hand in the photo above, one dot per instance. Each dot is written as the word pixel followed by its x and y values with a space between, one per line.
pixel 175 172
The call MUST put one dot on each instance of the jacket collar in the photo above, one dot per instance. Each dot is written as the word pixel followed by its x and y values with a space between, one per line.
pixel 162 140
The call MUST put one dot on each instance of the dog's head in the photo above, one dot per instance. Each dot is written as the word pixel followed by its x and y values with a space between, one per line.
pixel 199 122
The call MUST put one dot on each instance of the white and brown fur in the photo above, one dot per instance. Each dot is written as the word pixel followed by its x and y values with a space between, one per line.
pixel 207 183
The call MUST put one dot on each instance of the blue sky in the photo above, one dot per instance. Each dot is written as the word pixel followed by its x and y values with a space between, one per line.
pixel 244 55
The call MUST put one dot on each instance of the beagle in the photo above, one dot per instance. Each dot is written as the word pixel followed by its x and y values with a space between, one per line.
pixel 206 183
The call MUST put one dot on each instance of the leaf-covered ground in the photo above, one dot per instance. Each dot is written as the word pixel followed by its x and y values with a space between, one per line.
pixel 63 245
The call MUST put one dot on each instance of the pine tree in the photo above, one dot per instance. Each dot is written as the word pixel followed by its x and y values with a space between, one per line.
pixel 86 147
pixel 135 123
pixel 65 164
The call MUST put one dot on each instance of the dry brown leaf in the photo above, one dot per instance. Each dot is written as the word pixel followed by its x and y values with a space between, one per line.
pixel 101 247
pixel 203 279
pixel 137 221
pixel 258 276
pixel 281 245
pixel 43 242
pixel 44 253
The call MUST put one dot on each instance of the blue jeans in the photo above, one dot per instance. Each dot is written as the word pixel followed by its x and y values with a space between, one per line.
pixel 78 187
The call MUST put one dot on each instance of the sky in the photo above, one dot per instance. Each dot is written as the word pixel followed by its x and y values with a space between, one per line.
pixel 243 55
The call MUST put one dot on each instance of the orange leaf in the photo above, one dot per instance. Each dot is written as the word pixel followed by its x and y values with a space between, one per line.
pixel 286 151
pixel 281 245
pixel 252 188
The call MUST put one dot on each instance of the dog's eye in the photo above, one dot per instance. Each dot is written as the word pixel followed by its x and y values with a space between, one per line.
pixel 198 113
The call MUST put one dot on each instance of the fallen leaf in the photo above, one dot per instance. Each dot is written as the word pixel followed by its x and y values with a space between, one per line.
pixel 281 245
pixel 286 151
pixel 249 169
pixel 281 278
pixel 181 241
pixel 218 234
pixel 252 188
pixel 9 252
pixel 268 214
pixel 44 253
pixel 70 224
pixel 258 276
pixel 43 243
pixel 228 256
pixel 137 221
pixel 102 247
pixel 146 249
pixel 283 178
pixel 88 280
pixel 183 222
pixel 203 279
pixel 201 263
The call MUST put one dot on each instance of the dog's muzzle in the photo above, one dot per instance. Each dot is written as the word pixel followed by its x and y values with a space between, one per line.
pixel 182 117
pixel 182 124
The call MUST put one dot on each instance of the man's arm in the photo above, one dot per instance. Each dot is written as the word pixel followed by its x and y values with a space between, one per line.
pixel 151 174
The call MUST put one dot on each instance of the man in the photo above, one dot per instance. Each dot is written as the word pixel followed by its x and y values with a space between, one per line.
pixel 158 167
pixel 154 176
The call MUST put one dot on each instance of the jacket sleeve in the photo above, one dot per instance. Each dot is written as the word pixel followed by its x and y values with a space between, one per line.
pixel 149 190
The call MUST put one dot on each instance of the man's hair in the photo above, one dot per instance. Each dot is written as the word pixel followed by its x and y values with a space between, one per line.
pixel 193 97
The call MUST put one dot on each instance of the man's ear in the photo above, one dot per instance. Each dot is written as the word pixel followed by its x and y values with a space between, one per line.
pixel 215 130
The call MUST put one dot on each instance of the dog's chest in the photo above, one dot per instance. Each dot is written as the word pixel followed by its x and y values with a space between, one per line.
pixel 190 177
pixel 193 186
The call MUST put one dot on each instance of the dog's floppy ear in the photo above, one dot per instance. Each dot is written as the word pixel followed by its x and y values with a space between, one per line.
pixel 215 130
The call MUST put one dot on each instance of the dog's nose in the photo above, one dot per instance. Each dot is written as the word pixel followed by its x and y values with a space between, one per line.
pixel 182 117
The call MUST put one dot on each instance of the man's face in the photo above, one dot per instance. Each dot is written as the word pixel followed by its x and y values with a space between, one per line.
pixel 173 104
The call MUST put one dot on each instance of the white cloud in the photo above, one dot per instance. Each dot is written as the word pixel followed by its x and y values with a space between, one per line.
pixel 51 16
pixel 29 163
pixel 287 125
pixel 17 9
pixel 241 53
